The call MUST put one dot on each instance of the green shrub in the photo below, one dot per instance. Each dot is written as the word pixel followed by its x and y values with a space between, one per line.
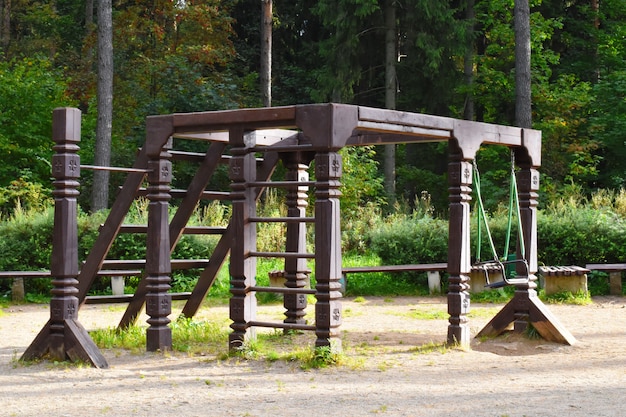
pixel 576 236
pixel 414 239
pixel 26 245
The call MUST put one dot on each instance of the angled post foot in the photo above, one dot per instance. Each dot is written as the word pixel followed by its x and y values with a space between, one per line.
pixel 72 344
pixel 523 309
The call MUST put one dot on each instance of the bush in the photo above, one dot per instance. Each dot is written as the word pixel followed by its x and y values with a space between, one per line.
pixel 411 239
pixel 26 245
pixel 577 236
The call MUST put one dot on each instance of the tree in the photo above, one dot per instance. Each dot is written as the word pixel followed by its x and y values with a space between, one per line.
pixel 523 100
pixel 5 24
pixel 104 127
pixel 391 87
pixel 266 52
pixel 29 90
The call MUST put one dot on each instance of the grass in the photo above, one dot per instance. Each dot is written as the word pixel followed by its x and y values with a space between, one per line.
pixel 188 335
pixel 566 297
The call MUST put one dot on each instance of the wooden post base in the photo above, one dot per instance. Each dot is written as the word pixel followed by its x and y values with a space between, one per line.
pixel 72 343
pixel 524 308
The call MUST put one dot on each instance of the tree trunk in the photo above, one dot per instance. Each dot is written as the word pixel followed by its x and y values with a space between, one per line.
pixel 468 61
pixel 595 7
pixel 523 101
pixel 266 52
pixel 391 89
pixel 5 25
pixel 88 17
pixel 102 153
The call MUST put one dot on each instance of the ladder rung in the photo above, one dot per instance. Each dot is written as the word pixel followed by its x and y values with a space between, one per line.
pixel 284 290
pixel 126 298
pixel 283 255
pixel 114 169
pixel 282 184
pixel 132 228
pixel 141 263
pixel 282 219
pixel 199 157
pixel 25 274
pixel 275 148
pixel 206 195
pixel 204 230
pixel 279 325
pixel 119 272
pixel 189 230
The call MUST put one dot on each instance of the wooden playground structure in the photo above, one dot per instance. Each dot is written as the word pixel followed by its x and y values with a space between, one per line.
pixel 253 142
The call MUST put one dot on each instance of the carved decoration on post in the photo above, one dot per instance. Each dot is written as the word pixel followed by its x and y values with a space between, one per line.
pixel 63 337
pixel 460 181
pixel 242 266
pixel 328 249
pixel 296 271
pixel 158 264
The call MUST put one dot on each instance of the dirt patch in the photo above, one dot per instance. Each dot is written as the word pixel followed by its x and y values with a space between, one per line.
pixel 398 367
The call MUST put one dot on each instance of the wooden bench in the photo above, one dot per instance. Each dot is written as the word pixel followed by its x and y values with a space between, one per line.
pixel 433 271
pixel 615 275
pixel 564 278
pixel 17 288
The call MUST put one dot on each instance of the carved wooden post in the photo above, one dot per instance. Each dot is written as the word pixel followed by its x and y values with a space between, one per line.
pixel 460 181
pixel 528 187
pixel 63 337
pixel 242 266
pixel 328 250
pixel 296 271
pixel 158 264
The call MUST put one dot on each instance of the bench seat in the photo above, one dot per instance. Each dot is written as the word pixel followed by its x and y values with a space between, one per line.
pixel 564 278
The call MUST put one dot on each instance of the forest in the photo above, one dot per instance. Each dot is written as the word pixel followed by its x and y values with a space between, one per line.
pixel 454 58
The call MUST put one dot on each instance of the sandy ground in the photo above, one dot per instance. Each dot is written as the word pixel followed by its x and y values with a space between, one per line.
pixel 386 374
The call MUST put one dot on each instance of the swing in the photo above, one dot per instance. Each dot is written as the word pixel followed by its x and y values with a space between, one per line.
pixel 506 267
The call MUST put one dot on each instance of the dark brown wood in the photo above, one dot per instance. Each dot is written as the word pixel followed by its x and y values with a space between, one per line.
pixel 111 226
pixel 158 262
pixel 243 302
pixel 395 268
pixel 178 227
pixel 316 131
pixel 207 277
pixel 63 337
pixel 328 170
pixel 460 181
pixel 127 298
pixel 297 273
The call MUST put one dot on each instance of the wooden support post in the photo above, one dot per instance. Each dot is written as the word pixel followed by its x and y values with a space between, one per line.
pixel 460 181
pixel 328 250
pixel 158 264
pixel 296 271
pixel 526 307
pixel 63 337
pixel 243 303
pixel 615 282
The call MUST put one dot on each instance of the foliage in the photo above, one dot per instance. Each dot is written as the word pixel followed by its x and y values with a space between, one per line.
pixel 411 239
pixel 570 235
pixel 361 183
pixel 608 122
pixel 26 246
pixel 30 88
pixel 23 195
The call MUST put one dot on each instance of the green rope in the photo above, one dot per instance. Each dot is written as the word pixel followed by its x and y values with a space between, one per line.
pixel 482 216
